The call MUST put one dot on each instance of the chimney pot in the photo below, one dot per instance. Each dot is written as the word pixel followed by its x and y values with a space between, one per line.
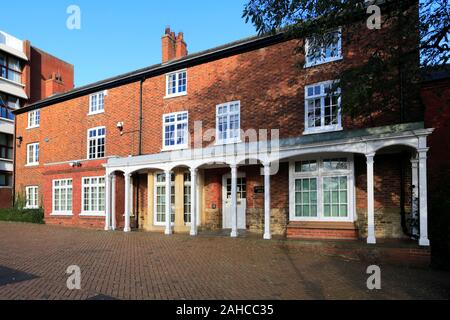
pixel 173 46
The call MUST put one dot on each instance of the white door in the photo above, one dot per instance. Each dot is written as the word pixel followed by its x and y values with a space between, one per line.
pixel 241 201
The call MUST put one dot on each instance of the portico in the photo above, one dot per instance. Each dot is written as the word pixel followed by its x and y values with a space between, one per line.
pixel 269 157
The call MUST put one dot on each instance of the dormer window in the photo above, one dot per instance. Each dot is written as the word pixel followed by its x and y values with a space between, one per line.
pixel 176 84
pixel 323 49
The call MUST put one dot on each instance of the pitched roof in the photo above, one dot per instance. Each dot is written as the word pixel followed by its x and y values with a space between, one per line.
pixel 243 45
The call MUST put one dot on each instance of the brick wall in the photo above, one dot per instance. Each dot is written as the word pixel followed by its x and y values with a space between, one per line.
pixel 65 171
pixel 42 66
pixel 266 81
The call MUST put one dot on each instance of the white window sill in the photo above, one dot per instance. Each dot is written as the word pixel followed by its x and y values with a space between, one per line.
pixel 7 160
pixel 163 224
pixel 30 165
pixel 5 187
pixel 31 208
pixel 310 65
pixel 93 215
pixel 7 120
pixel 176 95
pixel 34 127
pixel 175 148
pixel 61 214
pixel 224 143
pixel 311 219
pixel 96 113
pixel 322 130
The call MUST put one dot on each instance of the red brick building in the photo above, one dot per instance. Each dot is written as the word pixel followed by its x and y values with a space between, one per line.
pixel 235 138
pixel 27 75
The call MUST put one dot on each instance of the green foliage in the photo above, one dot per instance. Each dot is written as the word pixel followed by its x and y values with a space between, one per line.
pixel 19 214
pixel 22 215
pixel 388 80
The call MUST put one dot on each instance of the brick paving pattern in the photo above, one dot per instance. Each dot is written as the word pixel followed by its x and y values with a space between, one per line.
pixel 153 266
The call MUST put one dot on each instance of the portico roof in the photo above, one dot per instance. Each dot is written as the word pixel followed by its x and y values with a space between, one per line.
pixel 361 141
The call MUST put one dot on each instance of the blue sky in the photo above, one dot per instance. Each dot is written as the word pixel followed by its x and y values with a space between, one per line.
pixel 121 36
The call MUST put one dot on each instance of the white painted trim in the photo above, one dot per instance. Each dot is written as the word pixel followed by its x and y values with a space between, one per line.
pixel 325 61
pixel 320 174
pixel 96 138
pixel 92 213
pixel 27 189
pixel 155 187
pixel 175 147
pixel 228 140
pixel 35 163
pixel 323 128
pixel 61 213
pixel 33 126
pixel 177 94
pixel 225 177
pixel 93 113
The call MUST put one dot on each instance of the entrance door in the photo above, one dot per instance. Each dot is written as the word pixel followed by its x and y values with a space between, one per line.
pixel 241 201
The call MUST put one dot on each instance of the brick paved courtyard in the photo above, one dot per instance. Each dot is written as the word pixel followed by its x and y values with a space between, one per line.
pixel 153 266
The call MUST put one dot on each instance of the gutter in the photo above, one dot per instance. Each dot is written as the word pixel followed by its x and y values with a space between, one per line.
pixel 156 70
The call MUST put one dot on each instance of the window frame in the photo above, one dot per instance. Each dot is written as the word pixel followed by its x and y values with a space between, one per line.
pixel 180 146
pixel 187 201
pixel 320 174
pixel 62 212
pixel 36 153
pixel 177 93
pixel 93 213
pixel 6 108
pixel 97 137
pixel 322 96
pixel 229 114
pixel 97 95
pixel 8 179
pixel 27 198
pixel 5 148
pixel 37 123
pixel 7 69
pixel 324 61
pixel 157 184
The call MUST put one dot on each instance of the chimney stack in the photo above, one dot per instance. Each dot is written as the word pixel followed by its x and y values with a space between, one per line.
pixel 173 47
pixel 54 85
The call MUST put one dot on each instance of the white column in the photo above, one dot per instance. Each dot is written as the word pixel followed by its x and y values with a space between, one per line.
pixel 234 218
pixel 108 223
pixel 267 233
pixel 370 200
pixel 423 196
pixel 127 202
pixel 113 202
pixel 415 194
pixel 194 202
pixel 168 203
pixel 131 196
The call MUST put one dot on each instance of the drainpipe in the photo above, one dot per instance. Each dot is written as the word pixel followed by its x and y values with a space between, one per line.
pixel 13 191
pixel 141 120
